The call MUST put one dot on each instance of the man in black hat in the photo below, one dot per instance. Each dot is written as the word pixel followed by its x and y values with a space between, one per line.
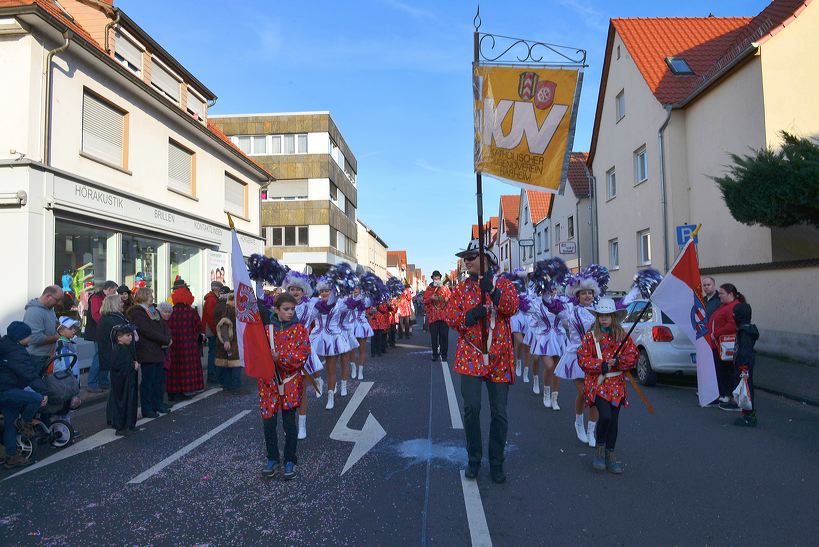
pixel 436 299
pixel 480 309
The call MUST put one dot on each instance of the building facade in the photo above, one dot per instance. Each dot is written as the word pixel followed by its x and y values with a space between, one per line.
pixel 571 218
pixel 309 212
pixel 506 246
pixel 397 264
pixel 535 208
pixel 677 98
pixel 371 251
pixel 117 172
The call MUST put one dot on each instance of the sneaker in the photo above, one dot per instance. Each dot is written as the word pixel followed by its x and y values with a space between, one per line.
pixel 353 371
pixel 599 463
pixel 320 386
pixel 554 401
pixel 748 420
pixel 581 431
pixel 497 474
pixel 361 372
pixel 547 397
pixel 536 385
pixel 591 434
pixel 270 469
pixel 330 400
pixel 612 465
pixel 525 375
pixel 725 399
pixel 714 403
pixel 730 407
pixel 471 472
pixel 344 388
pixel 289 471
pixel 302 429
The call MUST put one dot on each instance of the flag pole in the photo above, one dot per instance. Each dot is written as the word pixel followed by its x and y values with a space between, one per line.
pixel 479 197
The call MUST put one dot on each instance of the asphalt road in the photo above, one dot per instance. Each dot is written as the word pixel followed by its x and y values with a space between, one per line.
pixel 192 477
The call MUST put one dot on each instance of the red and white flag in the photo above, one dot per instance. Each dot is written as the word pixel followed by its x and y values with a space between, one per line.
pixel 254 348
pixel 679 296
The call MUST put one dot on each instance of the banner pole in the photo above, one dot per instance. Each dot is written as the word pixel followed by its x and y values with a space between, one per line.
pixel 479 196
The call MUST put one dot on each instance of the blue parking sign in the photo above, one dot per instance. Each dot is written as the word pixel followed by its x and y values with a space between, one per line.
pixel 684 234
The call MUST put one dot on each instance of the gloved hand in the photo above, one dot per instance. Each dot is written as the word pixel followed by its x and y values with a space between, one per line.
pixel 604 367
pixel 487 284
pixel 475 314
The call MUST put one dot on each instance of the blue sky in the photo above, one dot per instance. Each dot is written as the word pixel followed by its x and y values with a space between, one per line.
pixel 395 76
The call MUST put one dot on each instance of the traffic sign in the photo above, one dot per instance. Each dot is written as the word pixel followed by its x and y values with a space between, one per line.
pixel 684 234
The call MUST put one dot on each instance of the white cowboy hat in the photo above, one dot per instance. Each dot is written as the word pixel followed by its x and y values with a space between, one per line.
pixel 474 248
pixel 606 306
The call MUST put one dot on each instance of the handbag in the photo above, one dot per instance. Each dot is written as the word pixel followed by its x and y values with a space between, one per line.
pixel 742 394
pixel 727 346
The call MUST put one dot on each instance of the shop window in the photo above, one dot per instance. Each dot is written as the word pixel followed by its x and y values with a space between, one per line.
pixel 103 131
pixel 186 262
pixel 235 196
pixel 139 262
pixel 165 81
pixel 80 248
pixel 181 162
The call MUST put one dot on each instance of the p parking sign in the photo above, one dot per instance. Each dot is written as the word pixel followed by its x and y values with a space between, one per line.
pixel 684 234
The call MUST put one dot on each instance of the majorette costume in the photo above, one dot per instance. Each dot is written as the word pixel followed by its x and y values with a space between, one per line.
pixel 357 319
pixel 303 313
pixel 469 308
pixel 520 321
pixel 329 337
pixel 545 333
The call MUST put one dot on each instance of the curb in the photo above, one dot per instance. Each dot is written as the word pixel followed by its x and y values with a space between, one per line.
pixel 795 398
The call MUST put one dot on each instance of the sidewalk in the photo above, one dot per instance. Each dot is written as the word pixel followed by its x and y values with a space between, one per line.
pixel 790 379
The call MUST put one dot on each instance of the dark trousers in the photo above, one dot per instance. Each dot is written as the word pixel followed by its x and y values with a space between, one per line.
pixel 403 327
pixel 123 399
pixel 271 440
pixel 150 390
pixel 376 343
pixel 17 402
pixel 229 377
pixel 606 432
pixel 392 335
pixel 212 341
pixel 725 376
pixel 439 334
pixel 471 393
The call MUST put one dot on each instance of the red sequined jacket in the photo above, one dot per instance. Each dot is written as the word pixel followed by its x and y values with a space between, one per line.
pixel 437 310
pixel 468 356
pixel 612 389
pixel 292 343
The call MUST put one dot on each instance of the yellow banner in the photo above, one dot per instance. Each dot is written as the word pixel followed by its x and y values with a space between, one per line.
pixel 524 124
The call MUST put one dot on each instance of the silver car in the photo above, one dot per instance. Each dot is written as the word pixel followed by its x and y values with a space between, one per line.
pixel 664 348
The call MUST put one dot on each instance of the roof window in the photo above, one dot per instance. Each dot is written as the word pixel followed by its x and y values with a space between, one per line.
pixel 678 65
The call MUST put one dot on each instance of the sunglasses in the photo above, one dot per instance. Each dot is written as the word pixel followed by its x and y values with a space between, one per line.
pixel 471 257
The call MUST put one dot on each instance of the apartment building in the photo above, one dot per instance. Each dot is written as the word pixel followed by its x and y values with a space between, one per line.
pixel 109 165
pixel 506 246
pixel 309 212
pixel 535 208
pixel 571 221
pixel 397 264
pixel 371 251
pixel 677 98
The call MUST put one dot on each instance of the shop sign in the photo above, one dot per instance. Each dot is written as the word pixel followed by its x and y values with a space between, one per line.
pixel 568 247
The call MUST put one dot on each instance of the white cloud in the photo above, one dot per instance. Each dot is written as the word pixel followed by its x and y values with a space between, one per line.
pixel 593 17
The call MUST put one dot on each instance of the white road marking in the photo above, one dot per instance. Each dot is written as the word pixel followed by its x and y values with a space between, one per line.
pixel 103 437
pixel 364 440
pixel 478 529
pixel 454 410
pixel 145 475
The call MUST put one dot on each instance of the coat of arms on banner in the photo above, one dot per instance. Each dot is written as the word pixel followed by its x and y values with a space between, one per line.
pixel 247 310
pixel 526 85
pixel 545 94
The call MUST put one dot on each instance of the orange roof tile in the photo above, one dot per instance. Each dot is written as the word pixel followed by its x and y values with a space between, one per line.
pixel 578 175
pixel 56 12
pixel 474 231
pixel 510 210
pixel 397 258
pixel 540 205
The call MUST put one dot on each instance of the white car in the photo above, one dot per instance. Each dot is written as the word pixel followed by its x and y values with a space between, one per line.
pixel 663 346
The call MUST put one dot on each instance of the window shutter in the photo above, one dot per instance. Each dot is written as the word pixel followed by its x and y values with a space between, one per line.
pixel 195 105
pixel 180 168
pixel 234 196
pixel 163 79
pixel 102 130
pixel 126 49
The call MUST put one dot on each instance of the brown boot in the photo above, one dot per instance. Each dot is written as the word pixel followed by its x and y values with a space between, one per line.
pixel 18 460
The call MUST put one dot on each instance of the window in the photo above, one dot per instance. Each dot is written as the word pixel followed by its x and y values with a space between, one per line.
pixel 526 215
pixel 614 254
pixel 611 184
pixel 618 52
pixel 277 144
pixel 128 53
pixel 243 143
pixel 235 196
pixel 537 241
pixel 644 247
pixel 333 192
pixel 634 311
pixel 546 239
pixel 103 131
pixel 165 81
pixel 333 237
pixel 258 145
pixel 76 244
pixel 571 227
pixel 678 65
pixel 289 144
pixel 341 242
pixel 621 105
pixel 291 236
pixel 640 165
pixel 196 105
pixel 287 190
pixel 301 144
pixel 180 168
pixel 557 233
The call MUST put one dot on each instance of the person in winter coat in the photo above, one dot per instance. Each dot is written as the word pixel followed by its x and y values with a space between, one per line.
pixel 124 369
pixel 228 363
pixel 484 302
pixel 17 372
pixel 97 378
pixel 722 324
pixel 154 337
pixel 209 328
pixel 745 358
pixel 111 315
pixel 185 374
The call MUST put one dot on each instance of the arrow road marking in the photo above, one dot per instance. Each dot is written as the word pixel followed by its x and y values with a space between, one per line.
pixel 364 440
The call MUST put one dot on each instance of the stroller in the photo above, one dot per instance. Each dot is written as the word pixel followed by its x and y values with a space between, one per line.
pixel 51 425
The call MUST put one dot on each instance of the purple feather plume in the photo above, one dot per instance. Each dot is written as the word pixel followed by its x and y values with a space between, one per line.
pixel 266 269
pixel 548 274
pixel 342 278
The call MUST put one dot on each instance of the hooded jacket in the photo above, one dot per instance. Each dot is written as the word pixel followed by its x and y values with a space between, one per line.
pixel 208 313
pixel 43 323
pixel 17 369
pixel 747 335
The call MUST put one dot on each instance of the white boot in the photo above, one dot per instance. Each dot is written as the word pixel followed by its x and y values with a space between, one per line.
pixel 580 430
pixel 344 388
pixel 591 434
pixel 353 372
pixel 547 396
pixel 302 427
pixel 525 375
pixel 361 372
pixel 331 394
pixel 554 401
pixel 535 384
pixel 518 366
pixel 320 386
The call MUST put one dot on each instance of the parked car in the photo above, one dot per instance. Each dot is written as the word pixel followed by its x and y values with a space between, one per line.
pixel 664 348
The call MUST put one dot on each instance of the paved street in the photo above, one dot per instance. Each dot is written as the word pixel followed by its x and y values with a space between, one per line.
pixel 691 478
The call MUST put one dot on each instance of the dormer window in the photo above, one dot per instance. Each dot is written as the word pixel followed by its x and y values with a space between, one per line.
pixel 678 65
pixel 166 81
pixel 196 105
pixel 128 52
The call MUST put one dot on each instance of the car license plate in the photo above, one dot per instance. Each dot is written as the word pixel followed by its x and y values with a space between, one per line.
pixel 694 358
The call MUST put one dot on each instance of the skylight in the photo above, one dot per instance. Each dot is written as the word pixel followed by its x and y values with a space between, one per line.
pixel 678 65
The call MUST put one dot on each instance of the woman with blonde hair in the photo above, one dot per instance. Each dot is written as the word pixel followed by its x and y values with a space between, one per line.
pixel 154 336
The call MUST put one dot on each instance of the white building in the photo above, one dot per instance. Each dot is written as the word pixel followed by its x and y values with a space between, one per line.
pixel 506 246
pixel 535 207
pixel 107 158
pixel 571 218
pixel 371 251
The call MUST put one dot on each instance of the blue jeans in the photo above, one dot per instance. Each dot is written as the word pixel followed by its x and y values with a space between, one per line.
pixel 212 373
pixel 150 390
pixel 230 377
pixel 97 378
pixel 17 402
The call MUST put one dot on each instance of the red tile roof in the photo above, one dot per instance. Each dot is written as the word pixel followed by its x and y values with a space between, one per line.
pixel 510 212
pixel 474 231
pixel 578 175
pixel 56 12
pixel 397 258
pixel 540 205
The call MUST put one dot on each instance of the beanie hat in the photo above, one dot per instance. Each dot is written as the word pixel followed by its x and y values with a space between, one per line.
pixel 18 330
